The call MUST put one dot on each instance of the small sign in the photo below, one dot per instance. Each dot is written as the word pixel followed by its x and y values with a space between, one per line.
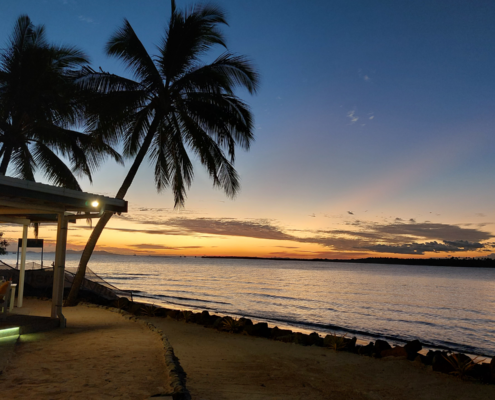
pixel 32 243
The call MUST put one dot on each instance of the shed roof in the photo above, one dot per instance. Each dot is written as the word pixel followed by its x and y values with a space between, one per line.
pixel 37 202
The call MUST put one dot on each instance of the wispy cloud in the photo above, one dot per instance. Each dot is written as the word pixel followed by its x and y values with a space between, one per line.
pixel 352 116
pixel 86 19
pixel 161 247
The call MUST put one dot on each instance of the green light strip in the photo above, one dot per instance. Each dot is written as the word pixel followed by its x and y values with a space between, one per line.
pixel 9 332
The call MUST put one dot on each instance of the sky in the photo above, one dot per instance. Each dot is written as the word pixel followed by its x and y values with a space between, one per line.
pixel 374 130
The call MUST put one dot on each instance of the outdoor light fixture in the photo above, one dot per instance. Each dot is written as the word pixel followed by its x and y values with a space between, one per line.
pixel 95 203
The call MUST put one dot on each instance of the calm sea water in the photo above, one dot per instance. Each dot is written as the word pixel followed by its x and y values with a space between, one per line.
pixel 441 306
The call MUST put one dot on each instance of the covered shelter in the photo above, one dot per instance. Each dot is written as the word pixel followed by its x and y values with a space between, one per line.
pixel 26 202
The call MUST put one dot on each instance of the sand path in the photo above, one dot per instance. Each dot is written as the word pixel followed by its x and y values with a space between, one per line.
pixel 100 355
pixel 226 366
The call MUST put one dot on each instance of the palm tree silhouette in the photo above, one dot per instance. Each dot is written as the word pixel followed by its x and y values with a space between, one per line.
pixel 39 104
pixel 175 104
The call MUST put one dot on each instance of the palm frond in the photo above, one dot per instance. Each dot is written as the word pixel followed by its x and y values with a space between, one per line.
pixel 125 45
pixel 53 167
pixel 188 37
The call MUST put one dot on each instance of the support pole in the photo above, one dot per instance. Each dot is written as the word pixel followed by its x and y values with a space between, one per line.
pixel 20 292
pixel 59 271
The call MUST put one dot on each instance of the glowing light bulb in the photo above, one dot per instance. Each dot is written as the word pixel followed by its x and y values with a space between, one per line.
pixel 94 203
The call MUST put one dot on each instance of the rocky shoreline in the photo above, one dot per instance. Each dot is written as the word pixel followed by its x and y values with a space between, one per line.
pixel 457 364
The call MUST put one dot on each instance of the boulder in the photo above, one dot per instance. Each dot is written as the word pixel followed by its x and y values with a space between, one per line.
pixel 276 332
pixel 367 350
pixel 481 372
pixel 428 360
pixel 397 351
pixel 336 342
pixel 350 344
pixel 381 345
pixel 315 340
pixel 161 312
pixel 412 348
pixel 217 323
pixel 440 362
pixel 260 330
pixel 301 338
pixel 245 322
pixel 174 314
pixel 204 318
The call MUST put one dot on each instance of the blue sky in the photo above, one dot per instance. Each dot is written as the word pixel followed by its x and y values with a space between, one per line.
pixel 372 117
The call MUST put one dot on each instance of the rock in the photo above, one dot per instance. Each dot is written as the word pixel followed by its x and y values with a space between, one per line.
pixel 210 321
pixel 174 314
pixel 245 322
pixel 367 350
pixel 480 371
pixel 217 323
pixel 381 345
pixel 412 348
pixel 161 312
pixel 276 332
pixel 301 338
pixel 336 342
pixel 350 344
pixel 121 302
pixel 429 357
pixel 397 351
pixel 204 318
pixel 440 362
pixel 260 330
pixel 315 340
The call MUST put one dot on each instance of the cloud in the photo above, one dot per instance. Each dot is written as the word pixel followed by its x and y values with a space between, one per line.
pixel 86 19
pixel 398 237
pixel 258 229
pixel 351 115
pixel 160 247
pixel 421 248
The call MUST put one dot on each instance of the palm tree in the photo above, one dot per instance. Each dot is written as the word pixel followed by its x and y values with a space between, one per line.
pixel 39 104
pixel 176 104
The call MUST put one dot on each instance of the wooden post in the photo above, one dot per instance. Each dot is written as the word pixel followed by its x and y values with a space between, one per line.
pixel 20 292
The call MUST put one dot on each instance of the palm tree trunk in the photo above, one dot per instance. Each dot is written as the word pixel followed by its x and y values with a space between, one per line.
pixel 7 154
pixel 97 231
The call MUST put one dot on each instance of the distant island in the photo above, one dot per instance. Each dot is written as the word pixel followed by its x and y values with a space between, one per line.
pixel 434 262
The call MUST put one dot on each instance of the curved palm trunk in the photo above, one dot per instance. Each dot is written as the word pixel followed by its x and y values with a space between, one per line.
pixel 7 154
pixel 97 231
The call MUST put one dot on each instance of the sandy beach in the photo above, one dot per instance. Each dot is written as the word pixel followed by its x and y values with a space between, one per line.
pixel 221 365
pixel 102 355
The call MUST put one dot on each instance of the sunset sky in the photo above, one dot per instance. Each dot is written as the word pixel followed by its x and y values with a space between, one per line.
pixel 374 130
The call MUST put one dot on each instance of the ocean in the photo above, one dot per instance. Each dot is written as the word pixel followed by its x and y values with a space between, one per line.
pixel 443 307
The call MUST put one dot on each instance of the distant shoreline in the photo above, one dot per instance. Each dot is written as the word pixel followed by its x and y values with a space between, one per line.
pixel 432 262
